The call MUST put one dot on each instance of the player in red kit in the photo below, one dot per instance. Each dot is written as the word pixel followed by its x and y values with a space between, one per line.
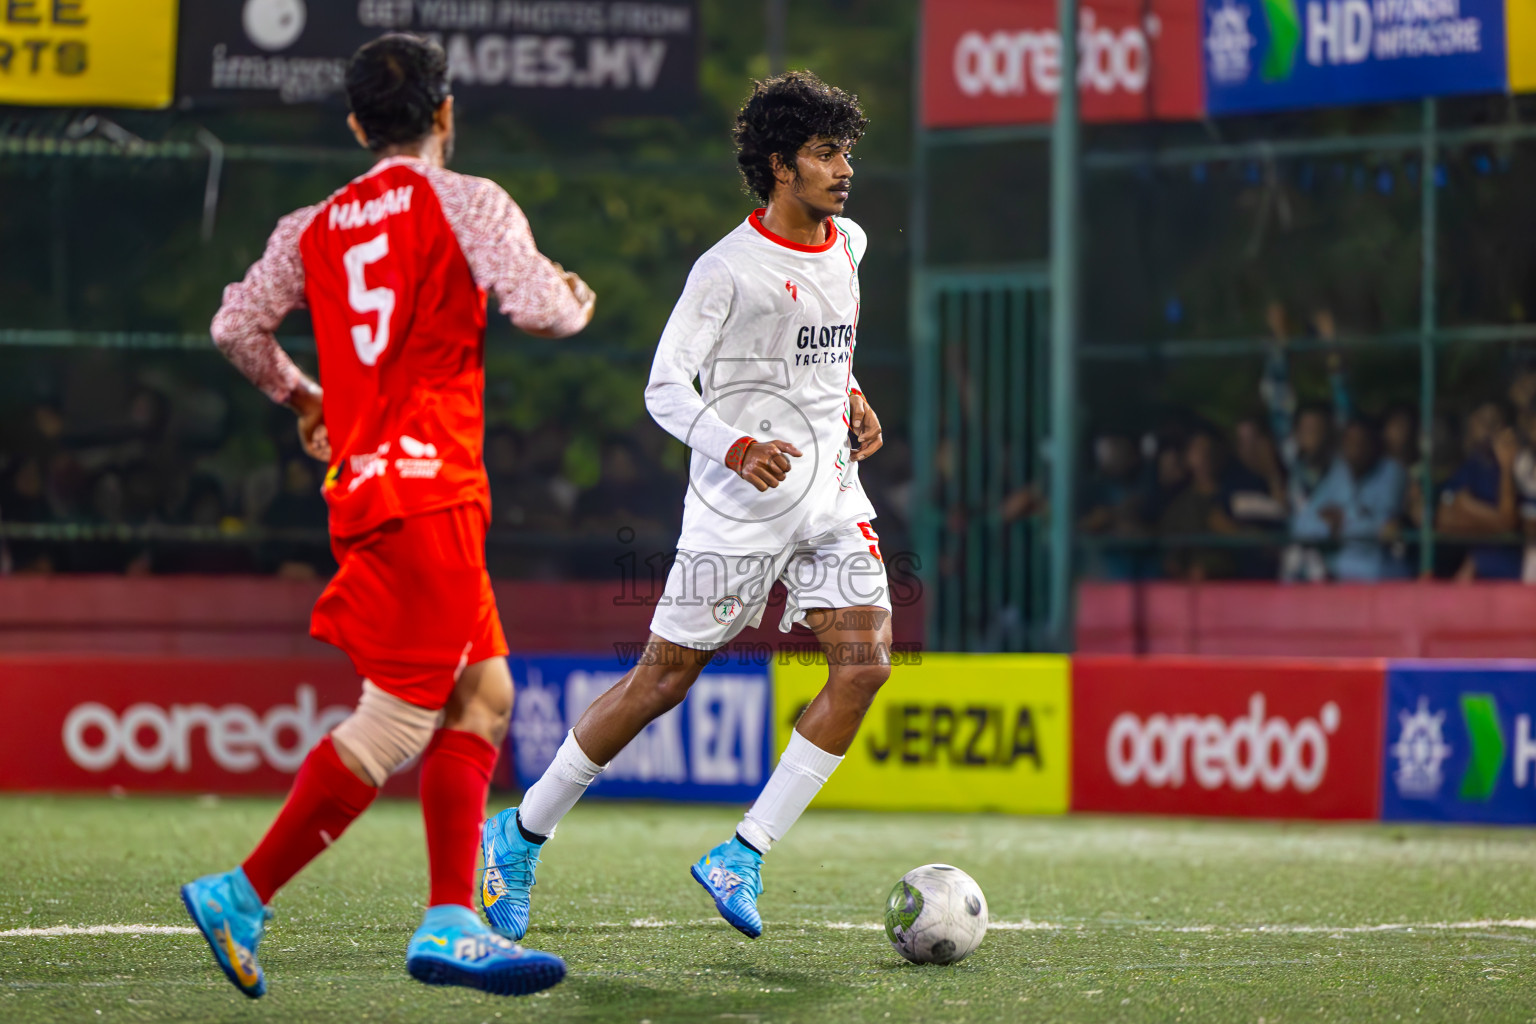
pixel 395 268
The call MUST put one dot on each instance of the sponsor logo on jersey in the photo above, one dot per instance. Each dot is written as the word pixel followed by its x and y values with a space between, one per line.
pixel 793 289
pixel 818 345
pixel 421 462
pixel 366 466
pixel 1168 750
pixel 357 214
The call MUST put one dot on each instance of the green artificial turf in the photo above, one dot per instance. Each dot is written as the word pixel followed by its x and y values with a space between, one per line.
pixel 1132 919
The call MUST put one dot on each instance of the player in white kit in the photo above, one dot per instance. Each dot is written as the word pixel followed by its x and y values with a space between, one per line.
pixel 767 324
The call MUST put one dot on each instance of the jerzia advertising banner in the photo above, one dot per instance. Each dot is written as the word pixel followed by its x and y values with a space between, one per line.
pixel 716 746
pixel 1257 739
pixel 115 53
pixel 606 57
pixel 949 732
pixel 1459 743
pixel 1285 54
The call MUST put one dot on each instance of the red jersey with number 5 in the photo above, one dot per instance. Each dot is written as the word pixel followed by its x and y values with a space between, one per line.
pixel 400 331
pixel 394 269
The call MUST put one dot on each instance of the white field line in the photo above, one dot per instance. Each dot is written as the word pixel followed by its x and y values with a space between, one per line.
pixel 1522 923
pixel 97 929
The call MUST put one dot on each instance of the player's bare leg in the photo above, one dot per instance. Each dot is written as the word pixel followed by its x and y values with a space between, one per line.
pixel 857 643
pixel 656 685
pixel 511 840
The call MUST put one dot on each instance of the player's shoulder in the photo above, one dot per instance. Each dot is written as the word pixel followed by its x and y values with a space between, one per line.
pixel 858 241
pixel 462 197
pixel 721 259
pixel 292 226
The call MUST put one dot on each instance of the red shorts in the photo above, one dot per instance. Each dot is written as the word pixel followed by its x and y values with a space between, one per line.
pixel 412 604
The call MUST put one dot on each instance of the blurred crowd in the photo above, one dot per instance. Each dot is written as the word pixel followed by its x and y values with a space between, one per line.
pixel 1310 492
pixel 141 482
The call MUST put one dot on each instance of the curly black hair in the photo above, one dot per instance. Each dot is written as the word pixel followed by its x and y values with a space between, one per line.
pixel 783 114
pixel 394 86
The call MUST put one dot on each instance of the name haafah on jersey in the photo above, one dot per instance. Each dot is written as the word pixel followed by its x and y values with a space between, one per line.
pixel 358 214
pixel 838 338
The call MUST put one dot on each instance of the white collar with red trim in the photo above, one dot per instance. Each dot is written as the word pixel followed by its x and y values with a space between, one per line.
pixel 755 218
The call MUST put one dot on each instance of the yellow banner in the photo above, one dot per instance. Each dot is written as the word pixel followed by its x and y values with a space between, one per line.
pixel 107 53
pixel 956 732
pixel 1520 36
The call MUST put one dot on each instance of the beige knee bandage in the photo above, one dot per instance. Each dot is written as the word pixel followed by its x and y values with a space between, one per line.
pixel 385 732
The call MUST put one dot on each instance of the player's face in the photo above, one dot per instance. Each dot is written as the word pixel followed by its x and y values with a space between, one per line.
pixel 824 175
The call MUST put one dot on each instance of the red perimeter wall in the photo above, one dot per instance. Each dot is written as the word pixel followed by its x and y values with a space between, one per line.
pixel 1387 620
pixel 261 617
pixel 245 617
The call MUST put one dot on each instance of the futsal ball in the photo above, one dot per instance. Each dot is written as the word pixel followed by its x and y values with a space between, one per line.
pixel 936 915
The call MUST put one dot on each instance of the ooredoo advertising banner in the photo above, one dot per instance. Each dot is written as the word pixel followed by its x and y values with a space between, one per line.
pixel 619 57
pixel 716 746
pixel 1284 54
pixel 109 53
pixel 1459 743
pixel 1253 739
pixel 949 732
pixel 991 62
pixel 166 724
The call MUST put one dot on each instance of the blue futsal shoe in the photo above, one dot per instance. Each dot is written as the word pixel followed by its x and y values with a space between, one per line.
pixel 732 874
pixel 452 947
pixel 508 875
pixel 228 912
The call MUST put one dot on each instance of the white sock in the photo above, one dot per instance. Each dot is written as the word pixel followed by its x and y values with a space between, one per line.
pixel 558 789
pixel 801 773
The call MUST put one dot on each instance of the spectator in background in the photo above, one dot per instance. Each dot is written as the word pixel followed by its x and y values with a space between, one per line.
pixel 1480 499
pixel 1304 433
pixel 23 499
pixel 1200 507
pixel 298 506
pixel 1113 503
pixel 1256 453
pixel 624 495
pixel 1400 436
pixel 1357 506
pixel 1522 389
pixel 1524 474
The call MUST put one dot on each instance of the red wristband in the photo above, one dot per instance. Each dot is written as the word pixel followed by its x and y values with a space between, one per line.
pixel 855 391
pixel 737 452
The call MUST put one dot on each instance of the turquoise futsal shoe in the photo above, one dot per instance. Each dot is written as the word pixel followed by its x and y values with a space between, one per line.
pixel 508 875
pixel 228 912
pixel 452 947
pixel 732 874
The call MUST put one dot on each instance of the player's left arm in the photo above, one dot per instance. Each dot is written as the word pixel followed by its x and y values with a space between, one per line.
pixel 861 416
pixel 245 328
pixel 864 422
pixel 540 297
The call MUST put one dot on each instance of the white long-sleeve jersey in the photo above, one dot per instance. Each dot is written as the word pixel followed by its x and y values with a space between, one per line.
pixel 768 329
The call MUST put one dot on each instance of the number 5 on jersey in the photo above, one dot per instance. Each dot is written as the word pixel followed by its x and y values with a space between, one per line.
pixel 370 344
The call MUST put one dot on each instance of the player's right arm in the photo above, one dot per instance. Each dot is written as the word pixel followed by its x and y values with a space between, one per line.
pixel 244 329
pixel 692 332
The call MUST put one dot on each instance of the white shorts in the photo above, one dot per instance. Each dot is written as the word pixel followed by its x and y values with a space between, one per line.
pixel 709 598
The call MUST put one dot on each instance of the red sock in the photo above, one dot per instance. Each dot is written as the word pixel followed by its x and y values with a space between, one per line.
pixel 325 797
pixel 455 778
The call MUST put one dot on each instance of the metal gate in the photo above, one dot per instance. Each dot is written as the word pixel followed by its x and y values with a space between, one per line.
pixel 980 420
